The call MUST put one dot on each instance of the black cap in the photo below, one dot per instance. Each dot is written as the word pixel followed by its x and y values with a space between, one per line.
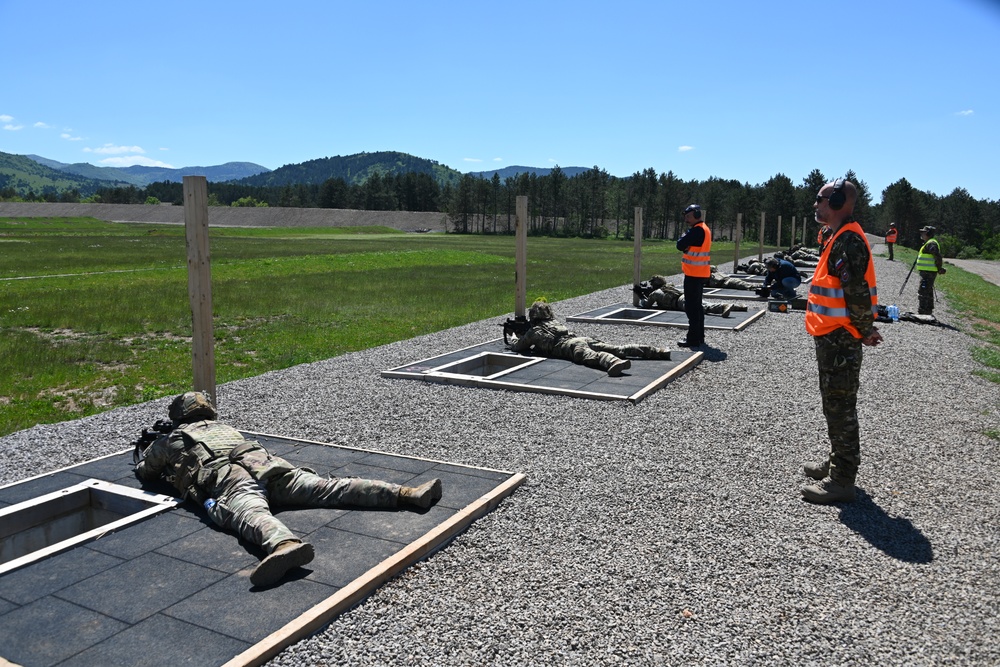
pixel 691 208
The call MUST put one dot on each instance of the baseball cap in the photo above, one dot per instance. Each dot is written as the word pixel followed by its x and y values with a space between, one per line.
pixel 929 229
pixel 692 207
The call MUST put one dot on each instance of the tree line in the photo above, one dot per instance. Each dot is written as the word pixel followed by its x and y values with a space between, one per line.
pixel 596 204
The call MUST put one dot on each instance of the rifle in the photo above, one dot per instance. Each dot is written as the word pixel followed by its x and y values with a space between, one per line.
pixel 643 289
pixel 517 326
pixel 148 436
pixel 908 274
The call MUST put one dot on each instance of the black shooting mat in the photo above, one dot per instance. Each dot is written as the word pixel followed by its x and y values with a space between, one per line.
pixel 491 365
pixel 626 313
pixel 175 589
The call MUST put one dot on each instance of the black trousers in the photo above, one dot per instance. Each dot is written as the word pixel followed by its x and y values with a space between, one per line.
pixel 693 290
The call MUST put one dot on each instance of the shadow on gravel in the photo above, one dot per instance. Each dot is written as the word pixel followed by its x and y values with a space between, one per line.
pixel 712 353
pixel 895 536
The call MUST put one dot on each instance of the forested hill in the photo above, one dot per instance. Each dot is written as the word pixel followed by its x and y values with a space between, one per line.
pixel 20 173
pixel 354 170
pixel 514 172
pixel 143 176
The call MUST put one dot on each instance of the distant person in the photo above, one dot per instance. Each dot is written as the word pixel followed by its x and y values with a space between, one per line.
pixel 840 316
pixel 782 279
pixel 696 244
pixel 548 338
pixel 239 481
pixel 929 265
pixel 890 238
pixel 722 281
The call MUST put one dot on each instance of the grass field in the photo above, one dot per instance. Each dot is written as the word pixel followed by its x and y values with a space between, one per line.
pixel 95 315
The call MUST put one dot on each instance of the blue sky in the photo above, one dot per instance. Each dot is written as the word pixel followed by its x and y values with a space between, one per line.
pixel 737 90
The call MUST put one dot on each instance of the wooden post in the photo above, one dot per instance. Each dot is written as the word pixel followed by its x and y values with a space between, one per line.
pixel 737 235
pixel 200 284
pixel 779 233
pixel 760 246
pixel 793 231
pixel 521 256
pixel 637 256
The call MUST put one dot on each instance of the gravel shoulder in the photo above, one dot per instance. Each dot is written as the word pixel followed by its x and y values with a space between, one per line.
pixel 668 532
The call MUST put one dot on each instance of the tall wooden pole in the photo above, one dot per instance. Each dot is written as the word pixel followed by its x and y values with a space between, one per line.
pixel 200 284
pixel 779 233
pixel 521 255
pixel 637 253
pixel 737 235
pixel 760 247
pixel 793 231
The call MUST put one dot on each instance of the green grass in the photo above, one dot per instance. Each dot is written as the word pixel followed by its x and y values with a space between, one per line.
pixel 95 315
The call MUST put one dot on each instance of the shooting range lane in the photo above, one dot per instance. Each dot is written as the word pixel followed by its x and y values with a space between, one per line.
pixel 626 313
pixel 491 365
pixel 175 589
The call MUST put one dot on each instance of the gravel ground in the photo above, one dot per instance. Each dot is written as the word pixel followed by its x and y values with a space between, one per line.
pixel 668 532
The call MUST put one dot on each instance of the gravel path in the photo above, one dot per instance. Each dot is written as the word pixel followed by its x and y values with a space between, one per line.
pixel 669 532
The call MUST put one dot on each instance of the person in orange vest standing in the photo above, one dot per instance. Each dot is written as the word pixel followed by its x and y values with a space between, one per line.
pixel 890 238
pixel 696 244
pixel 840 316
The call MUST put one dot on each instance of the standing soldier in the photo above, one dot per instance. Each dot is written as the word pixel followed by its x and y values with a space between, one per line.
pixel 929 264
pixel 890 238
pixel 696 263
pixel 840 317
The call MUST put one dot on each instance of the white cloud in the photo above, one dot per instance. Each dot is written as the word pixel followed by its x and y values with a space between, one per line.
pixel 42 126
pixel 4 118
pixel 471 159
pixel 111 149
pixel 552 160
pixel 164 149
pixel 133 160
pixel 69 137
pixel 12 127
pixel 498 159
pixel 967 112
pixel 684 149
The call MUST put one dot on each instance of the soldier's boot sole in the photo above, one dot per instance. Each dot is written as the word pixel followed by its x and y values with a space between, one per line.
pixel 287 556
pixel 817 470
pixel 619 367
pixel 422 496
pixel 726 310
pixel 828 491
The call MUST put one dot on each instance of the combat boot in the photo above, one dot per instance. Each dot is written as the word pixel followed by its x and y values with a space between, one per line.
pixel 817 469
pixel 287 555
pixel 620 366
pixel 726 309
pixel 422 496
pixel 827 491
pixel 660 353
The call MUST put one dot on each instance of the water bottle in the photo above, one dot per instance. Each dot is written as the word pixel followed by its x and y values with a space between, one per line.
pixel 893 313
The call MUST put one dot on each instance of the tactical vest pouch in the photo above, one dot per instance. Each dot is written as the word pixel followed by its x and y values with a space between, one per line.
pixel 258 462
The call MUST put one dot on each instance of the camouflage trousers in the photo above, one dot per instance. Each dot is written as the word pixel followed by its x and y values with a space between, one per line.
pixel 925 293
pixel 838 355
pixel 243 504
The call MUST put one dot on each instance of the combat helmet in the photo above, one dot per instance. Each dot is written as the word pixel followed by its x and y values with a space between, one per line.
pixel 191 407
pixel 540 311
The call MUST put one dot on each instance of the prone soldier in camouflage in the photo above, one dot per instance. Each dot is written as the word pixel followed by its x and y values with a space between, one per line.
pixel 239 481
pixel 668 297
pixel 718 279
pixel 548 338
pixel 840 315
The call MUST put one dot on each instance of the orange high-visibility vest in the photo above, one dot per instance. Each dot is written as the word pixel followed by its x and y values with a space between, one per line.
pixel 890 236
pixel 826 310
pixel 819 235
pixel 696 261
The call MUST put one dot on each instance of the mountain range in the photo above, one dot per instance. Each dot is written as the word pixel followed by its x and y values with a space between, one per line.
pixel 24 173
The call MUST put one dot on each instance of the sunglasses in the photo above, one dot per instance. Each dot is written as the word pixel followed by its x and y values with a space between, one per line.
pixel 820 198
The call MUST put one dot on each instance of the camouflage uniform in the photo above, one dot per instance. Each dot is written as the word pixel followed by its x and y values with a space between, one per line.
pixel 207 459
pixel 931 251
pixel 721 280
pixel 669 297
pixel 839 355
pixel 552 339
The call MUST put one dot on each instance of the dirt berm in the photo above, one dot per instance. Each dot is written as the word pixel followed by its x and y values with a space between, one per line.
pixel 227 216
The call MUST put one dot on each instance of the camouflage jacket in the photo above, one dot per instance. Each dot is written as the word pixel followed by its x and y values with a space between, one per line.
pixel 852 252
pixel 664 298
pixel 543 336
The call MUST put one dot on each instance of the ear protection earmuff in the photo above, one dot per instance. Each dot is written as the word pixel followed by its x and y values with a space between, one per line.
pixel 838 198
